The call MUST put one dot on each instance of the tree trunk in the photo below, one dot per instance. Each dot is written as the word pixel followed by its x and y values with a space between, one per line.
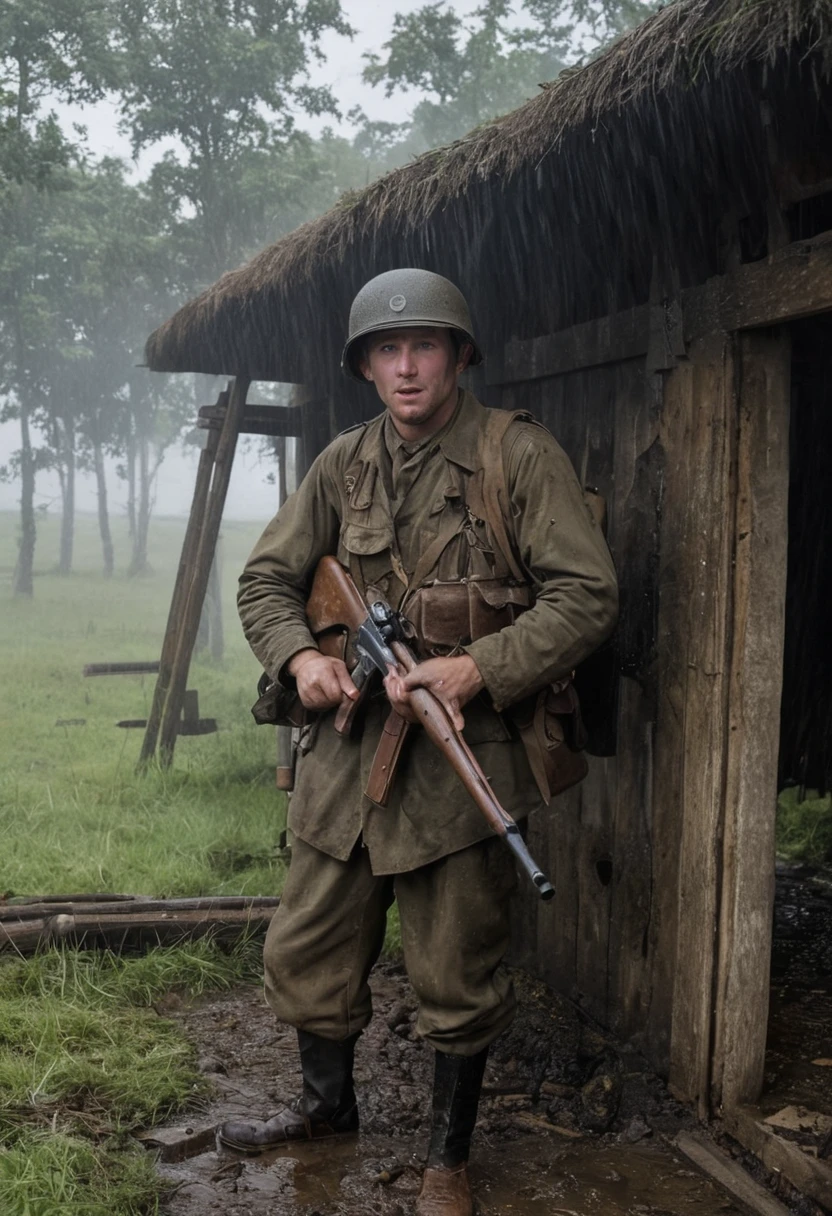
pixel 139 563
pixel 131 488
pixel 103 511
pixel 67 457
pixel 22 583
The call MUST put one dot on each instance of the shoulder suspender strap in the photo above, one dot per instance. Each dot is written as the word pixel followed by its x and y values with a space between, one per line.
pixel 495 496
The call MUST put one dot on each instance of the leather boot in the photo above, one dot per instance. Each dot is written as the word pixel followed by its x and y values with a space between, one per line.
pixel 456 1094
pixel 326 1107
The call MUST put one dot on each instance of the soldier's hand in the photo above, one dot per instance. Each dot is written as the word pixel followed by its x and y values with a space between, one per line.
pixel 322 682
pixel 454 681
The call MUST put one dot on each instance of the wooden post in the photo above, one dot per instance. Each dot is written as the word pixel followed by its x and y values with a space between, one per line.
pixel 201 569
pixel 196 518
pixel 698 430
pixel 760 553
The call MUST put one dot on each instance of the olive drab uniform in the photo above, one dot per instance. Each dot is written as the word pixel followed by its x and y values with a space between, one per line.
pixel 411 521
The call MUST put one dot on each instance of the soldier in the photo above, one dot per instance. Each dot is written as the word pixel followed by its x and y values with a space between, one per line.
pixel 473 523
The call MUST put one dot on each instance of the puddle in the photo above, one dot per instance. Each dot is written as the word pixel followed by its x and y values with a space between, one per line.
pixel 571 1124
pixel 535 1177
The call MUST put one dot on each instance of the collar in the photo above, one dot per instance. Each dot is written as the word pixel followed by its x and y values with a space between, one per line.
pixel 459 441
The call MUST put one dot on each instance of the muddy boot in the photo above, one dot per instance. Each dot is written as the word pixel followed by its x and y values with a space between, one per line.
pixel 456 1094
pixel 326 1107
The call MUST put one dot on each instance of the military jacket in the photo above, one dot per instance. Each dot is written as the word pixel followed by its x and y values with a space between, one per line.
pixel 346 506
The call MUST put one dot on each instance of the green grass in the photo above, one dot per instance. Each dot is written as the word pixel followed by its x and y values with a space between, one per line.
pixel 804 826
pixel 209 825
pixel 84 1058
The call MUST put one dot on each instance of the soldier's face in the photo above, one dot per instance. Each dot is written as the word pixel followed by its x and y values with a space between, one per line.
pixel 415 372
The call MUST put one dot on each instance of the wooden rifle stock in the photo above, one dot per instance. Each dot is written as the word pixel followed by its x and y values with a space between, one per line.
pixel 335 605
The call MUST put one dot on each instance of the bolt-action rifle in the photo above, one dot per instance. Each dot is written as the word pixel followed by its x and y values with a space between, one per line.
pixel 380 642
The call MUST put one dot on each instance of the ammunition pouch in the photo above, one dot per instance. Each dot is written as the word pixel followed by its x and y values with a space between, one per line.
pixel 550 726
pixel 446 616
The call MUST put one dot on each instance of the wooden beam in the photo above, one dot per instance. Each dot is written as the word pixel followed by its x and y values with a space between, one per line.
pixel 149 668
pixel 731 1177
pixel 257 420
pixel 794 282
pixel 611 339
pixel 811 1177
pixel 181 585
pixel 697 433
pixel 756 669
pixel 200 572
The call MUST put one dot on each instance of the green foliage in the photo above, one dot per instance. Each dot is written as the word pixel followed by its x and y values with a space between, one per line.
pixel 804 826
pixel 240 70
pixel 474 69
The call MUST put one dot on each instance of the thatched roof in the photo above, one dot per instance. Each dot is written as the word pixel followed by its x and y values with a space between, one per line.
pixel 555 212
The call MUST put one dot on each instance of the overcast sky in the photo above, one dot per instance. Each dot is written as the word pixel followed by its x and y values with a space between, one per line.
pixel 250 495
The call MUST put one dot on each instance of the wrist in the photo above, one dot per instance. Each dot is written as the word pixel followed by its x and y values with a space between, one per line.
pixel 299 659
pixel 475 677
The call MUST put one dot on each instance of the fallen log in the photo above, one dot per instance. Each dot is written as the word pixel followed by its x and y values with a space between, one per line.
pixel 128 905
pixel 129 926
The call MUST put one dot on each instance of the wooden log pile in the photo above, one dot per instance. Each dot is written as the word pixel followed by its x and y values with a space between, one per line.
pixel 127 922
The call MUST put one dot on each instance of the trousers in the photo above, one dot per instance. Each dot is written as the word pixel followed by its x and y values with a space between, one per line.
pixel 454 913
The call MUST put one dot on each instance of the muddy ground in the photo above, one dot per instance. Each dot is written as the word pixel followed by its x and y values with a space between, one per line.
pixel 799 1055
pixel 570 1124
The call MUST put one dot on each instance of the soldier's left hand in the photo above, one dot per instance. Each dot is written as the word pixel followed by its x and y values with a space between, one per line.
pixel 454 681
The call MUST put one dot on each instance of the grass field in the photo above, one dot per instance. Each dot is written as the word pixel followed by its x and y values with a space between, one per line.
pixel 83 1057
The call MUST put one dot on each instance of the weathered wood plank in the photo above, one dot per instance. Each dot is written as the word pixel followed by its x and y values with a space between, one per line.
pixel 637 481
pixel 742 1188
pixel 149 668
pixel 794 282
pixel 622 335
pixel 697 433
pixel 760 546
pixel 199 573
pixel 810 1176
pixel 274 420
pixel 190 542
pixel 594 888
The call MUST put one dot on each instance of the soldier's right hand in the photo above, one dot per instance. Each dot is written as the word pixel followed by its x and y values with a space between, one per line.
pixel 322 682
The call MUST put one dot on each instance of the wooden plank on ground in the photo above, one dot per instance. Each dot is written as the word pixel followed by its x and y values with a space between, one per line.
pixel 811 1177
pixel 731 1177
pixel 757 636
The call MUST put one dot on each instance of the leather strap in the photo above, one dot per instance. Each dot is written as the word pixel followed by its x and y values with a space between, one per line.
pixel 383 769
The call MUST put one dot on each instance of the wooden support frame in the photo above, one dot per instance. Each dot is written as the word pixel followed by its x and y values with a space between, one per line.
pixel 213 477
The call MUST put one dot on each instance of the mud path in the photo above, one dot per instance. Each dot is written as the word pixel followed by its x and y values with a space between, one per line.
pixel 570 1125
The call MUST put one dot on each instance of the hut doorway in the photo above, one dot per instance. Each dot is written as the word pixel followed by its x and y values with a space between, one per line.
pixel 798 1073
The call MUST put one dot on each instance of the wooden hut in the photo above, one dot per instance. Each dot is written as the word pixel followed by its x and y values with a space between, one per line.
pixel 647 249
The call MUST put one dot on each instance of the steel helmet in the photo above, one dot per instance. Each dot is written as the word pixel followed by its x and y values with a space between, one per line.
pixel 406 299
